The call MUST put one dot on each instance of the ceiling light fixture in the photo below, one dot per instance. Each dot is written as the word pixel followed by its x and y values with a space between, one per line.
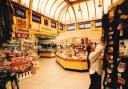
pixel 79 8
pixel 100 4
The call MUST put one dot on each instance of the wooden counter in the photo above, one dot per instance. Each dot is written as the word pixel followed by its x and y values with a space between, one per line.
pixel 72 64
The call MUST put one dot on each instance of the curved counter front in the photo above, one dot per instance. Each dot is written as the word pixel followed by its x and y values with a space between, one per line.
pixel 72 64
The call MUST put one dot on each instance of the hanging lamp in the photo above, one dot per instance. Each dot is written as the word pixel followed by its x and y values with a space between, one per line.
pixel 100 4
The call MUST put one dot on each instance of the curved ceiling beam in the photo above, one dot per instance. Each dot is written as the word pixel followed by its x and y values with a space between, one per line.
pixel 68 2
pixel 69 15
pixel 74 13
pixel 62 18
pixel 38 5
pixel 57 8
pixel 79 7
pixel 66 15
pixel 87 10
pixel 81 13
pixel 51 7
pixel 62 11
pixel 95 9
pixel 41 5
pixel 45 6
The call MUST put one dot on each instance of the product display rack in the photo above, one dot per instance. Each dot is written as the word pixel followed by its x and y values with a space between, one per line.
pixel 122 62
pixel 116 59
pixel 110 56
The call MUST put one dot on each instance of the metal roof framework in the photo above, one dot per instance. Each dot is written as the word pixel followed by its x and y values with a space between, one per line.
pixel 69 11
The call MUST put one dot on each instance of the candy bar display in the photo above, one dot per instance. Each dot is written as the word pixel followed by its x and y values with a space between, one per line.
pixel 19 56
pixel 116 48
pixel 17 64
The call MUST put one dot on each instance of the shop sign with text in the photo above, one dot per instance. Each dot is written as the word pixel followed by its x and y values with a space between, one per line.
pixel 22 33
pixel 46 29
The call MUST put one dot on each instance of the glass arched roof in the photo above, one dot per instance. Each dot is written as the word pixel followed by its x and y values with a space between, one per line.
pixel 69 11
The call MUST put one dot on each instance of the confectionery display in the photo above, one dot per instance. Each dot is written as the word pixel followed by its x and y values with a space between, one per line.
pixel 73 35
pixel 18 61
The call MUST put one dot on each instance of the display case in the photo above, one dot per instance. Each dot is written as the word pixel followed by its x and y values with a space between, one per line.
pixel 47 49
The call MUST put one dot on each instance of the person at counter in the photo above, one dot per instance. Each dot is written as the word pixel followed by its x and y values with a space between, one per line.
pixel 95 64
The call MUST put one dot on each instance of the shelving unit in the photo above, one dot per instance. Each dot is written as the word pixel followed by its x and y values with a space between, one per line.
pixel 116 39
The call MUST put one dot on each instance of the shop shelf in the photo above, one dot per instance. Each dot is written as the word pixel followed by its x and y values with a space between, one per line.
pixel 24 75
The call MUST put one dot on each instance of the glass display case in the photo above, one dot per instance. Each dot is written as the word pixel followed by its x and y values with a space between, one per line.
pixel 71 53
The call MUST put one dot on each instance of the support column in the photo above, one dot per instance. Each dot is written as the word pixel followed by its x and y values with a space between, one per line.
pixel 30 15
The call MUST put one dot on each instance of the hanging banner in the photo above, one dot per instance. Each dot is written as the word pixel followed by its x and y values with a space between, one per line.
pixel 86 41
pixel 22 33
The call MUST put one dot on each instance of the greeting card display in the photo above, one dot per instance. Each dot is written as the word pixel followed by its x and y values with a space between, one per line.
pixel 109 70
pixel 123 47
pixel 110 58
pixel 121 67
pixel 115 25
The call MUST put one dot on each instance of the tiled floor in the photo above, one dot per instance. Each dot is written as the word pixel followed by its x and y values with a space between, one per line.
pixel 52 76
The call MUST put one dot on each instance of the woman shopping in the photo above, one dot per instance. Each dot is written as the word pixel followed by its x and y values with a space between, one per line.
pixel 95 64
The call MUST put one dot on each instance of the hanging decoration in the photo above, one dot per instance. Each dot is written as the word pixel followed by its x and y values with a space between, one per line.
pixel 100 4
